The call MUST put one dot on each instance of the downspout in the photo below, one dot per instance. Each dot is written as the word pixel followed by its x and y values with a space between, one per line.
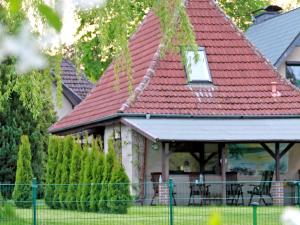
pixel 143 174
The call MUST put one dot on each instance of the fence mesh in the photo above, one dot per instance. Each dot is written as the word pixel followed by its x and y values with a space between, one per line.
pixel 188 203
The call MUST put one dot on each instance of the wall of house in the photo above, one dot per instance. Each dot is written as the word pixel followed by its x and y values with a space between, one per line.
pixel 294 56
pixel 66 105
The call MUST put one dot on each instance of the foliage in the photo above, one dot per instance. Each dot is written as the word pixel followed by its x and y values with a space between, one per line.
pixel 22 190
pixel 84 155
pixel 119 190
pixel 58 174
pixel 97 175
pixel 110 158
pixel 68 143
pixel 16 119
pixel 7 211
pixel 241 11
pixel 51 166
pixel 74 176
pixel 87 178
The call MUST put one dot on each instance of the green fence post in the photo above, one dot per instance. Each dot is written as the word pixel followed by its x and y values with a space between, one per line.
pixel 34 197
pixel 254 212
pixel 171 201
pixel 298 186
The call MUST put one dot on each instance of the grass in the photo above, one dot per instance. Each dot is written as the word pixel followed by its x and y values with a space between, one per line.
pixel 147 215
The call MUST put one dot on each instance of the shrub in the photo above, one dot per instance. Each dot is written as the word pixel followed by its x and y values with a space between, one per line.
pixel 81 176
pixel 119 190
pixel 50 174
pixel 108 166
pixel 68 144
pixel 97 176
pixel 58 173
pixel 87 179
pixel 74 176
pixel 22 190
pixel 7 211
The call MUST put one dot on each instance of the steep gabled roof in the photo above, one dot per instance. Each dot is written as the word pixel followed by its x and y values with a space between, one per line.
pixel 78 84
pixel 274 36
pixel 241 77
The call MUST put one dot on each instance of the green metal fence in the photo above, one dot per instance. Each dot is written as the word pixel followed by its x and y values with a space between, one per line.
pixel 172 203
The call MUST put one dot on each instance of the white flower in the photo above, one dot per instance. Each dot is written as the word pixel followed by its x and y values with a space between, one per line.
pixel 291 216
pixel 88 4
pixel 25 48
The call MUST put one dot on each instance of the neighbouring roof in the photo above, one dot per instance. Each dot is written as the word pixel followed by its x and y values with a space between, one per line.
pixel 78 84
pixel 239 130
pixel 241 77
pixel 274 36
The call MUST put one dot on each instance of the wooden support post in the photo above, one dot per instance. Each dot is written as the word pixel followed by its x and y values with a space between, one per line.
pixel 277 161
pixel 223 171
pixel 165 162
pixel 202 158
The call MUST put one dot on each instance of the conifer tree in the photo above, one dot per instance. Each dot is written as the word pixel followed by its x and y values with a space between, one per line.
pixel 58 172
pixel 87 179
pixel 119 190
pixel 84 154
pixel 67 153
pixel 22 192
pixel 97 176
pixel 74 176
pixel 51 168
pixel 108 166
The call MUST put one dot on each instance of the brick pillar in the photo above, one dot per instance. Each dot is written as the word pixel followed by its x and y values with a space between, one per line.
pixel 164 194
pixel 278 193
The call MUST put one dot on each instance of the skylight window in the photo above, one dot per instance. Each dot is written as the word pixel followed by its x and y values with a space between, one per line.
pixel 197 72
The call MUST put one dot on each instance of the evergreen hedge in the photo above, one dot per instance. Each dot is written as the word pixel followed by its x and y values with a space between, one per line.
pixel 58 174
pixel 97 176
pixel 22 192
pixel 108 167
pixel 68 144
pixel 51 166
pixel 119 190
pixel 81 176
pixel 74 176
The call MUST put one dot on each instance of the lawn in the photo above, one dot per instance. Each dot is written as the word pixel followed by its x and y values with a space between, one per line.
pixel 146 215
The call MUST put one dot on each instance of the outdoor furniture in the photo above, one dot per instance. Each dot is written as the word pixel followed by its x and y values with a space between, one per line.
pixel 264 188
pixel 234 191
pixel 198 188
pixel 155 185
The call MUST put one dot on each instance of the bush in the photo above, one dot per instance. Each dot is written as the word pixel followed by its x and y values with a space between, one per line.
pixel 81 176
pixel 58 174
pixel 119 190
pixel 22 191
pixel 51 166
pixel 108 166
pixel 68 144
pixel 74 176
pixel 87 179
pixel 97 176
pixel 7 211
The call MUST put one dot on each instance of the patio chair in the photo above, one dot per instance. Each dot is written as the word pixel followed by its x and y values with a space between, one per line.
pixel 264 188
pixel 155 185
pixel 198 189
pixel 234 191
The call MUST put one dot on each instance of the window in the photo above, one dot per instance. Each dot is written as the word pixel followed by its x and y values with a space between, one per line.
pixel 197 72
pixel 293 72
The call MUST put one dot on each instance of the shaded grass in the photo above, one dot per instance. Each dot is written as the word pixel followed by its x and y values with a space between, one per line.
pixel 147 215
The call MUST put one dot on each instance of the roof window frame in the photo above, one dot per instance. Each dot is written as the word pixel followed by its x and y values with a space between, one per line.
pixel 204 81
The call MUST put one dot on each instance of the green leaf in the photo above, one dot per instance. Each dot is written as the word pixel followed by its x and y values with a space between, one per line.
pixel 15 5
pixel 51 16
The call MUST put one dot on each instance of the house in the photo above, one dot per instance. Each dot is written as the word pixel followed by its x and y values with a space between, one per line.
pixel 277 36
pixel 232 113
pixel 75 89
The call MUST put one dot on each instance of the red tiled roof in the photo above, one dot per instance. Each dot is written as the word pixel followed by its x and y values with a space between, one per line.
pixel 241 77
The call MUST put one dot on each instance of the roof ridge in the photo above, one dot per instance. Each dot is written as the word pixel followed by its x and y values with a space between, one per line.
pixel 145 81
